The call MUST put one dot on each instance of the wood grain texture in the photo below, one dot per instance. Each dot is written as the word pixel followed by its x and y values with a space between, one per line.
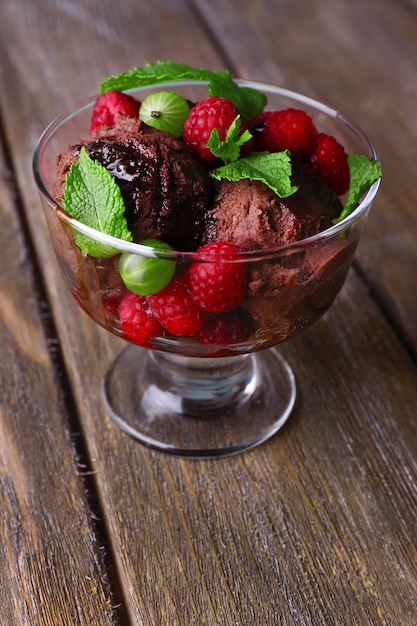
pixel 47 538
pixel 317 526
pixel 314 527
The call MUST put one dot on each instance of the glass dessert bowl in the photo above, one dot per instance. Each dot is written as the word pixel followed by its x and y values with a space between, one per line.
pixel 204 381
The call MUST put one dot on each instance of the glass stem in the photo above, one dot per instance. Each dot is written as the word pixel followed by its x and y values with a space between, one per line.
pixel 199 387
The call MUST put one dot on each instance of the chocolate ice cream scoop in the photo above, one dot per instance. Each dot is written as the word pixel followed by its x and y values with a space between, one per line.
pixel 288 292
pixel 164 187
pixel 253 217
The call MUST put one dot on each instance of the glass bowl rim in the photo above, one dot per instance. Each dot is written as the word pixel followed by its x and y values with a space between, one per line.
pixel 264 253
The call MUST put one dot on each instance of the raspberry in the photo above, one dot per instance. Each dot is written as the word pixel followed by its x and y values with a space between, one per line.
pixel 289 129
pixel 110 106
pixel 137 321
pixel 218 285
pixel 213 112
pixel 175 309
pixel 224 329
pixel 330 159
pixel 111 302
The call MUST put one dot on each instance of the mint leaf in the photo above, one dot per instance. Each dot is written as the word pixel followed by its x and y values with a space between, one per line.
pixel 229 149
pixel 272 168
pixel 256 100
pixel 159 72
pixel 248 101
pixel 93 197
pixel 364 171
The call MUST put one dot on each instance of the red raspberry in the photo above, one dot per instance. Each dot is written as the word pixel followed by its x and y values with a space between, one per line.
pixel 224 329
pixel 213 112
pixel 111 302
pixel 137 321
pixel 330 159
pixel 217 283
pixel 175 308
pixel 110 106
pixel 289 129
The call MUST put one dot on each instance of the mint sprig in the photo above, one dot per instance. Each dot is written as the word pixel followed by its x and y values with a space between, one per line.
pixel 229 149
pixel 272 168
pixel 93 197
pixel 248 101
pixel 364 171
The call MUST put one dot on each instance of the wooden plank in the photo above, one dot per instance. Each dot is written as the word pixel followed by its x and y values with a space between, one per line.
pixel 294 529
pixel 315 527
pixel 357 57
pixel 51 567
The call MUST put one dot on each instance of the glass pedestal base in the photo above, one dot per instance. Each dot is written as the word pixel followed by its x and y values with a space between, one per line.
pixel 199 407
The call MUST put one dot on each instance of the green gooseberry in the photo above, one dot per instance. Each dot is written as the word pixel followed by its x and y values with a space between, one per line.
pixel 165 110
pixel 145 275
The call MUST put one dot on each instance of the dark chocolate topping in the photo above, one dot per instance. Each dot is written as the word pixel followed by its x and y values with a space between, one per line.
pixel 164 187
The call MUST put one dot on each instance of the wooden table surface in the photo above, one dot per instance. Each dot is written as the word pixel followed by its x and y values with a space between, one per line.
pixel 318 525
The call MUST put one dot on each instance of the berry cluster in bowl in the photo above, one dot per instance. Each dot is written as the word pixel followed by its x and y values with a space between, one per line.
pixel 201 300
pixel 216 297
pixel 270 131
